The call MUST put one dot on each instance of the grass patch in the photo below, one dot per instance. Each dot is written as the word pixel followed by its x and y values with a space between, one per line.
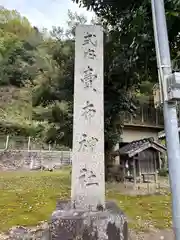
pixel 143 211
pixel 27 198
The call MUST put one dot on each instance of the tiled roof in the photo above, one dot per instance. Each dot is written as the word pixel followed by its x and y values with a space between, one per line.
pixel 162 134
pixel 138 146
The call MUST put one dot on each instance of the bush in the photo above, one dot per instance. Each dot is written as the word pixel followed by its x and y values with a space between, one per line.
pixel 163 172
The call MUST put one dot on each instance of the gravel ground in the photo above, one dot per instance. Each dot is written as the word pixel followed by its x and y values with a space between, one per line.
pixel 153 235
pixel 41 232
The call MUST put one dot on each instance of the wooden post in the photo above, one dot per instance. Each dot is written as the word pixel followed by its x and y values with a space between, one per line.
pixel 49 147
pixel 7 142
pixel 159 159
pixel 29 143
pixel 148 187
pixel 61 157
pixel 131 118
pixel 157 117
pixel 155 166
pixel 124 170
pixel 55 146
pixel 117 158
pixel 139 166
pixel 134 171
pixel 142 114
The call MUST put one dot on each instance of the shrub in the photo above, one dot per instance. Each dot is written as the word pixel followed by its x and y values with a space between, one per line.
pixel 163 172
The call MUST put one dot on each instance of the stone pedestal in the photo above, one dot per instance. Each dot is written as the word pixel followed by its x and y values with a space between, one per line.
pixel 77 224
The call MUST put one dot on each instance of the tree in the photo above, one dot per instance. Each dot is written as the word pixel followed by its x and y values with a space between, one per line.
pixel 73 21
pixel 14 65
pixel 130 58
pixel 132 38
pixel 132 22
pixel 14 57
pixel 53 88
pixel 48 62
pixel 57 89
pixel 18 43
pixel 13 22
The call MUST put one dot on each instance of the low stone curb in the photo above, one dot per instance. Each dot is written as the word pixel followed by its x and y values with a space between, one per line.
pixel 40 232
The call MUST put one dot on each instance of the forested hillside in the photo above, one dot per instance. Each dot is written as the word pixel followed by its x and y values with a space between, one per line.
pixel 35 68
pixel 37 71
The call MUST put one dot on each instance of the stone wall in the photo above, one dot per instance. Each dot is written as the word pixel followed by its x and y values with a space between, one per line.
pixel 25 160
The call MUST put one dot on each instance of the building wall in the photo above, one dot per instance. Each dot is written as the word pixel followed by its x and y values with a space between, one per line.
pixel 136 133
pixel 148 161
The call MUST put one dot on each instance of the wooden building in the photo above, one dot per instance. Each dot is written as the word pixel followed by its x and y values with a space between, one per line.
pixel 140 159
pixel 147 123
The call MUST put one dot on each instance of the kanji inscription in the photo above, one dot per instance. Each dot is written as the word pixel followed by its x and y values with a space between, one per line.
pixel 88 111
pixel 88 177
pixel 90 53
pixel 88 78
pixel 90 39
pixel 87 144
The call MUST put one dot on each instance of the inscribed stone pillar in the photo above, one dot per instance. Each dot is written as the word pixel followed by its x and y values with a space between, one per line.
pixel 86 216
pixel 88 184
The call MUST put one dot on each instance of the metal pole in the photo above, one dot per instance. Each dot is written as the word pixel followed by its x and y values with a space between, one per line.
pixel 170 114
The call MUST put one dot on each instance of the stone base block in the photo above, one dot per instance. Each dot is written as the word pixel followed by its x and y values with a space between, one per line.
pixel 76 224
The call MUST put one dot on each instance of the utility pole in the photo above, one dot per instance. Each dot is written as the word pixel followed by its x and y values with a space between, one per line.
pixel 170 91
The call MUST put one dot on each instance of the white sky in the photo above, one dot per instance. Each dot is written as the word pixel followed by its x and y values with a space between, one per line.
pixel 45 13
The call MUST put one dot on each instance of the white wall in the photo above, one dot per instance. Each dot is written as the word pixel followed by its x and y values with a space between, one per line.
pixel 133 134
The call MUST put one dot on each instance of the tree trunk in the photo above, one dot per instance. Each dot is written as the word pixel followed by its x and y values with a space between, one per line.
pixel 108 162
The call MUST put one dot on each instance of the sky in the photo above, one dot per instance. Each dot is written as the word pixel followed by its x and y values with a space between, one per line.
pixel 45 13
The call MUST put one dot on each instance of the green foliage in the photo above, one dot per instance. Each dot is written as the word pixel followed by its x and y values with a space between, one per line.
pixel 130 59
pixel 131 22
pixel 47 65
pixel 17 61
pixel 52 93
pixel 44 66
pixel 163 172
pixel 14 58
pixel 55 82
pixel 13 22
pixel 13 68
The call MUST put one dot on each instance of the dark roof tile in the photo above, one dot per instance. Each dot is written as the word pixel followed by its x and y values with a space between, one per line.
pixel 135 147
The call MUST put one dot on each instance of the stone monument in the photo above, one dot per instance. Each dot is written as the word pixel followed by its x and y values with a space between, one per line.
pixel 87 216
